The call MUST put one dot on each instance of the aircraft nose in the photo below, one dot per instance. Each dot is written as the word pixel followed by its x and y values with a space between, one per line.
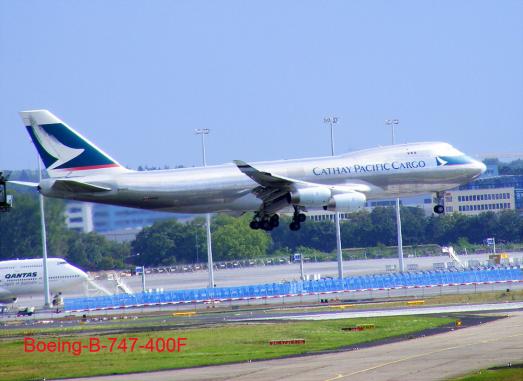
pixel 482 167
pixel 479 167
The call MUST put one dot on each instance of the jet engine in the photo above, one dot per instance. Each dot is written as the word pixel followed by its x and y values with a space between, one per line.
pixel 346 202
pixel 314 197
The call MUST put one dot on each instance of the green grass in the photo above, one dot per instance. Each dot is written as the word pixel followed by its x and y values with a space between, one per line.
pixel 514 373
pixel 204 346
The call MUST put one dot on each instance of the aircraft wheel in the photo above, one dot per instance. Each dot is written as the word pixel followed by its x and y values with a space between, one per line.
pixel 302 217
pixel 266 224
pixel 439 209
pixel 294 226
pixel 275 221
pixel 254 225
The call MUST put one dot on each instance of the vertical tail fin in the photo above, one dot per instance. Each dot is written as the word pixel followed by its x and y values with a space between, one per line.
pixel 63 150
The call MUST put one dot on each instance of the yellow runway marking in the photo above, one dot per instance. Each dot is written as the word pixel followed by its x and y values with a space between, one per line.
pixel 339 376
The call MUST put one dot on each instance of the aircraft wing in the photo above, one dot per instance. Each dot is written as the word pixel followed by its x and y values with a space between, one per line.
pixel 274 188
pixel 266 179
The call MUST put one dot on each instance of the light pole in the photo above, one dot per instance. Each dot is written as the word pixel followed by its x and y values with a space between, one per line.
pixel 331 121
pixel 196 244
pixel 47 302
pixel 202 132
pixel 393 123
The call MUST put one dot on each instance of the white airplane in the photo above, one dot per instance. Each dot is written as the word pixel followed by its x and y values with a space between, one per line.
pixel 24 277
pixel 79 170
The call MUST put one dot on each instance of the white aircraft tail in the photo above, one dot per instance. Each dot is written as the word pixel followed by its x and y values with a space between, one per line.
pixel 63 150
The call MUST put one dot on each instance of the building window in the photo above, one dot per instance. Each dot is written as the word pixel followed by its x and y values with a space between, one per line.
pixel 76 219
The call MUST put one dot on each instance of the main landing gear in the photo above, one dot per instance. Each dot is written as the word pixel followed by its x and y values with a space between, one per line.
pixel 266 223
pixel 297 219
pixel 439 208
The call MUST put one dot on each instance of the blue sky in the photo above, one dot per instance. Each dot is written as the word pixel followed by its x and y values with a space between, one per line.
pixel 136 77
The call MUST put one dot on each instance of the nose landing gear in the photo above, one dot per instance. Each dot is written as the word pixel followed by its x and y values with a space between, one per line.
pixel 439 208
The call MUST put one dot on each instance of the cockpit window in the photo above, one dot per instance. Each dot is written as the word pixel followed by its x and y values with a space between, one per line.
pixel 454 160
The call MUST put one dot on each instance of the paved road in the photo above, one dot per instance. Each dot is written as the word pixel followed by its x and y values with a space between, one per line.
pixel 278 273
pixel 429 358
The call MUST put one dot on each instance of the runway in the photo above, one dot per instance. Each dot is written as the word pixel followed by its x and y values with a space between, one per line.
pixel 463 308
pixel 430 358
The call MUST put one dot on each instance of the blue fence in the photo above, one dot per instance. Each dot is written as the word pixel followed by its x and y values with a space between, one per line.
pixel 271 290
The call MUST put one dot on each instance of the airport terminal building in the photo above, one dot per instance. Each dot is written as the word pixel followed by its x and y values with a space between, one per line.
pixel 495 194
pixel 115 222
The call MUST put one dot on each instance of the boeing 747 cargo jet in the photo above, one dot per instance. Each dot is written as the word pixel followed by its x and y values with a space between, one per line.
pixel 81 171
pixel 25 277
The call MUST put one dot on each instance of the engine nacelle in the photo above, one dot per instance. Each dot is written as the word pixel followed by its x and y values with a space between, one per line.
pixel 7 298
pixel 346 202
pixel 314 197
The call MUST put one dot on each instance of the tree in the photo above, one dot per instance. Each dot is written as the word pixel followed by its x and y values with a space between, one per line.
pixel 413 223
pixel 384 225
pixel 358 230
pixel 93 251
pixel 319 235
pixel 20 229
pixel 168 242
pixel 234 239
pixel 509 226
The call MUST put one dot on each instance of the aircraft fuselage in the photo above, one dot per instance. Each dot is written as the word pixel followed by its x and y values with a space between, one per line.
pixel 382 172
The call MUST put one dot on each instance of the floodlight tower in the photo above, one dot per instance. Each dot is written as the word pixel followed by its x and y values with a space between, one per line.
pixel 331 121
pixel 47 302
pixel 393 123
pixel 203 132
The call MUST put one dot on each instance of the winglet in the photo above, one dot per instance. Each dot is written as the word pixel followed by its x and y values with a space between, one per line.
pixel 249 170
pixel 265 179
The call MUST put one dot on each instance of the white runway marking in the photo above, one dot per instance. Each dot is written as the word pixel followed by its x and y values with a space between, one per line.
pixel 400 311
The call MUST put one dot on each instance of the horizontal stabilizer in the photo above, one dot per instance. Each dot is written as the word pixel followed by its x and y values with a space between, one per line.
pixel 78 187
pixel 23 183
